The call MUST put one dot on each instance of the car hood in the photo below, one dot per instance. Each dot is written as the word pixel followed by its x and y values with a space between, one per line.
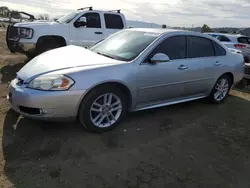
pixel 35 23
pixel 63 58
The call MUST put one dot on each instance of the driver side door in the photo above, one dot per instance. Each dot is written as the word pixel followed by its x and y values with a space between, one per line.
pixel 163 81
pixel 89 34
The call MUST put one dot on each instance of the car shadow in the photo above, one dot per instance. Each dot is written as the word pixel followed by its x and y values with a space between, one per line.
pixel 245 89
pixel 42 154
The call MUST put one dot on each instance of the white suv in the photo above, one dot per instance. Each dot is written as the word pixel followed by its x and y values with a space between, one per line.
pixel 234 41
pixel 83 27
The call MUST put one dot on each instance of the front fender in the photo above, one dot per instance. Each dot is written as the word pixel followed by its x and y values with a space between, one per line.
pixel 61 30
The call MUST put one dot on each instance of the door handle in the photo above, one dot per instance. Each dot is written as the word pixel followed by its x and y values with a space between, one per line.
pixel 98 33
pixel 183 67
pixel 217 63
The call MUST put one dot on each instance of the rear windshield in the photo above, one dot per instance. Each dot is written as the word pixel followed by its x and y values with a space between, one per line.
pixel 244 40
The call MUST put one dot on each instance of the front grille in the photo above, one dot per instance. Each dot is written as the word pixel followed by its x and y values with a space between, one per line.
pixel 12 32
pixel 29 110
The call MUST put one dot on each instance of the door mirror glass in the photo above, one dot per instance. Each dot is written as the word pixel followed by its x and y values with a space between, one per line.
pixel 81 22
pixel 159 58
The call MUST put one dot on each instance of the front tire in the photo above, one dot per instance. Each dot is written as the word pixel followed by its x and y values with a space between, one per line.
pixel 221 89
pixel 103 109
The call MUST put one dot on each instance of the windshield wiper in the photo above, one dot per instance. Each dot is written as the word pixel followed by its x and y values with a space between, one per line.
pixel 106 55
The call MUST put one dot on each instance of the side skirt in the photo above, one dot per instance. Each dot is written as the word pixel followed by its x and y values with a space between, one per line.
pixel 156 105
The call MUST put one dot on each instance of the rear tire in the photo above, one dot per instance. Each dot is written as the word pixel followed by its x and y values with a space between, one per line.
pixel 103 109
pixel 221 89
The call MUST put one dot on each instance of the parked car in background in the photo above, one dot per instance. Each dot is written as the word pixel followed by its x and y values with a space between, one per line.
pixel 83 27
pixel 134 69
pixel 234 41
pixel 237 43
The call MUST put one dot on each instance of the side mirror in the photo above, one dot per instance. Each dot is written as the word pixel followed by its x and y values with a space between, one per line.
pixel 81 22
pixel 159 58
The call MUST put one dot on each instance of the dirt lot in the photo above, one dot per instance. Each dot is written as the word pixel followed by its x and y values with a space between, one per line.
pixel 182 146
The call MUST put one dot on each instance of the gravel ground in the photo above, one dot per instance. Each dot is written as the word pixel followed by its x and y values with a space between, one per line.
pixel 195 144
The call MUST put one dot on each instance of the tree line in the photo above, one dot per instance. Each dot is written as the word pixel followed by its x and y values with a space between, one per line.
pixel 6 12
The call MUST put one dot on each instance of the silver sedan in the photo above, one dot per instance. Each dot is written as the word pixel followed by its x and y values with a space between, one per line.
pixel 134 69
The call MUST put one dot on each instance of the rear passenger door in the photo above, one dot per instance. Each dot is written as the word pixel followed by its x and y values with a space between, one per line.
pixel 113 23
pixel 205 60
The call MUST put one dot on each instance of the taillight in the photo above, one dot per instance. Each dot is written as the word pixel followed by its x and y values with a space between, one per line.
pixel 240 46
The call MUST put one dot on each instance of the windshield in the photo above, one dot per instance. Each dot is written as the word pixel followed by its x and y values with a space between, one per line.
pixel 125 45
pixel 68 18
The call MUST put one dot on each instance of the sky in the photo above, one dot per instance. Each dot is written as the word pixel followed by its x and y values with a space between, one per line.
pixel 215 13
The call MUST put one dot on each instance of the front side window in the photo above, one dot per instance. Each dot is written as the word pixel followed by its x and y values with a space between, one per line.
pixel 93 20
pixel 223 38
pixel 199 47
pixel 173 47
pixel 113 21
pixel 125 45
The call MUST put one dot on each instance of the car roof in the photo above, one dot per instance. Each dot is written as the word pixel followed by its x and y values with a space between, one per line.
pixel 158 30
pixel 162 31
pixel 227 34
pixel 100 11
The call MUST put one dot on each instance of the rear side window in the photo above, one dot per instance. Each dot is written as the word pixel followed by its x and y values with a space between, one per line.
pixel 223 38
pixel 113 21
pixel 199 47
pixel 174 47
pixel 244 40
pixel 219 51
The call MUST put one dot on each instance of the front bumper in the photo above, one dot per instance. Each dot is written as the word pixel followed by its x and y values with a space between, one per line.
pixel 14 44
pixel 44 105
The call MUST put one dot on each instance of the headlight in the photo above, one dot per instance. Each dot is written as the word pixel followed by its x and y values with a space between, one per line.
pixel 25 32
pixel 51 83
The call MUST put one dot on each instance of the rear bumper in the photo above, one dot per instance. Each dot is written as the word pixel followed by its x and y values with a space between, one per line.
pixel 14 44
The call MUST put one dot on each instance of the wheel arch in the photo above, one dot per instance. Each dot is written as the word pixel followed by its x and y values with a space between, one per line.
pixel 115 83
pixel 230 75
pixel 56 37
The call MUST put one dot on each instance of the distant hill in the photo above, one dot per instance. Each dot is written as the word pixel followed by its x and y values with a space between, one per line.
pixel 138 24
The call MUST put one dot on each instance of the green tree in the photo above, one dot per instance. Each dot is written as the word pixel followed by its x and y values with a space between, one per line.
pixel 43 17
pixel 206 28
pixel 223 31
pixel 4 11
pixel 15 14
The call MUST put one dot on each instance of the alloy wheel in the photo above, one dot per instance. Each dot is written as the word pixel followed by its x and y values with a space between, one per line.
pixel 106 110
pixel 221 89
